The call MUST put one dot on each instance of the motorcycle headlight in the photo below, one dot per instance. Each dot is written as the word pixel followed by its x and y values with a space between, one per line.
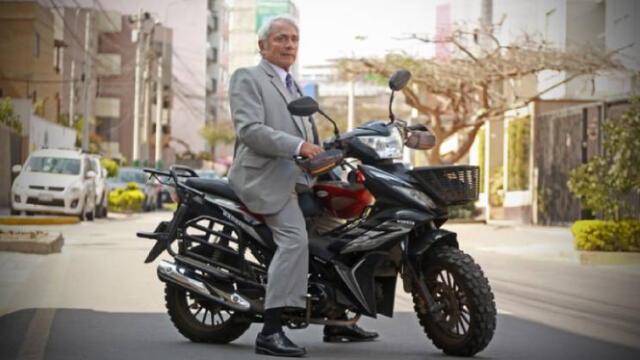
pixel 416 195
pixel 387 147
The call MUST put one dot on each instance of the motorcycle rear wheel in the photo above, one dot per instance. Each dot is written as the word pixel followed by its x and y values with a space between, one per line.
pixel 469 315
pixel 200 320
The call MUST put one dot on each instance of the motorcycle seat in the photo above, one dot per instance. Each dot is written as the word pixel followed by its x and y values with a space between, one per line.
pixel 218 187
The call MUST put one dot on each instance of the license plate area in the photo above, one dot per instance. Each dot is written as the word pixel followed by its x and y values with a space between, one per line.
pixel 44 197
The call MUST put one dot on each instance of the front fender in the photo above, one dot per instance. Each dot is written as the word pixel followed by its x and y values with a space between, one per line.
pixel 419 245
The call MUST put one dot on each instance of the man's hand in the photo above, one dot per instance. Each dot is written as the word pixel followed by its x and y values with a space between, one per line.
pixel 310 150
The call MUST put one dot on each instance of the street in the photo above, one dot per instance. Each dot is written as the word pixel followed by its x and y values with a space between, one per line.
pixel 98 300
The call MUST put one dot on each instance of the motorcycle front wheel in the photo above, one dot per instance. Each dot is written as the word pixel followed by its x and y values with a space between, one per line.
pixel 468 319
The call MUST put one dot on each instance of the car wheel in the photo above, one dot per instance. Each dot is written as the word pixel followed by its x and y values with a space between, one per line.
pixel 83 213
pixel 91 215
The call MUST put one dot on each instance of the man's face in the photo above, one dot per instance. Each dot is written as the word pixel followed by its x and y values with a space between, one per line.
pixel 281 48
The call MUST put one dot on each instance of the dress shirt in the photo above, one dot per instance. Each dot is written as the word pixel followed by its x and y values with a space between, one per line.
pixel 282 74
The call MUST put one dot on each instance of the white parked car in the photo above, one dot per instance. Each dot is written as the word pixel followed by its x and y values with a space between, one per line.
pixel 55 181
pixel 102 190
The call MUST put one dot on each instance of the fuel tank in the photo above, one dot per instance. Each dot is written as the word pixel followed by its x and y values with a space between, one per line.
pixel 342 199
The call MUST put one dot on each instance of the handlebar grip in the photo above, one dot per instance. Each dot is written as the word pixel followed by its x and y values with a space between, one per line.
pixel 320 163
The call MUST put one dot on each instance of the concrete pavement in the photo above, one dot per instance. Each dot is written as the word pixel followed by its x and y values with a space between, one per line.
pixel 100 282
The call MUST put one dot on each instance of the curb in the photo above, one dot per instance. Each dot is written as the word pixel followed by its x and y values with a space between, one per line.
pixel 465 221
pixel 38 220
pixel 45 244
pixel 609 258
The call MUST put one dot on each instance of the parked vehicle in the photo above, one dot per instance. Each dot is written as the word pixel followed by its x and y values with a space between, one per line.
pixel 150 188
pixel 58 181
pixel 102 191
pixel 207 174
pixel 384 220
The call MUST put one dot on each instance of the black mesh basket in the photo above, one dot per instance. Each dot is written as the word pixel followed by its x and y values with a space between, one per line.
pixel 449 185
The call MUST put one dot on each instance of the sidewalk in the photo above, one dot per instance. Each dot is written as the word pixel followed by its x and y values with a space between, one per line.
pixel 536 242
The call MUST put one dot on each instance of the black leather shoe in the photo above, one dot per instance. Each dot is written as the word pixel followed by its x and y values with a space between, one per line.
pixel 347 333
pixel 278 344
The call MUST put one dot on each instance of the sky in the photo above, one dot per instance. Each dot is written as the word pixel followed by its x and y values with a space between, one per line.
pixel 328 28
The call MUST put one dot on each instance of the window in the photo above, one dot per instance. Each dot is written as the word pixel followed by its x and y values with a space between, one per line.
pixel 547 23
pixel 36 45
pixel 53 165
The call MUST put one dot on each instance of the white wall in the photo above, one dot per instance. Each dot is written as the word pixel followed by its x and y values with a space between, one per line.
pixel 622 28
pixel 43 133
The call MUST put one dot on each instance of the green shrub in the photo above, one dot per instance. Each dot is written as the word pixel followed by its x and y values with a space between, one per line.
pixel 466 211
pixel 7 116
pixel 519 131
pixel 496 187
pixel 603 183
pixel 111 166
pixel 602 235
pixel 129 199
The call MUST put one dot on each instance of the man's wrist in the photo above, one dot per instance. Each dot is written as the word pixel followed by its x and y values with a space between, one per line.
pixel 298 148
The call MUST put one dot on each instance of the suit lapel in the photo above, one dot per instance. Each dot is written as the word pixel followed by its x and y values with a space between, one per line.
pixel 284 93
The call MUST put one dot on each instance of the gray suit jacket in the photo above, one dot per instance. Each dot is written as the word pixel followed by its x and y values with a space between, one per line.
pixel 263 174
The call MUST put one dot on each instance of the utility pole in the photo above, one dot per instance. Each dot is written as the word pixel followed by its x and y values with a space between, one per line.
pixel 147 94
pixel 351 105
pixel 159 89
pixel 136 96
pixel 146 108
pixel 72 94
pixel 87 82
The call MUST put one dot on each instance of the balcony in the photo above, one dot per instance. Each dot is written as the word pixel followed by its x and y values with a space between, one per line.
pixel 108 107
pixel 109 64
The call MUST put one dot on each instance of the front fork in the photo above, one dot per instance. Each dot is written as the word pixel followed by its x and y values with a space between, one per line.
pixel 411 273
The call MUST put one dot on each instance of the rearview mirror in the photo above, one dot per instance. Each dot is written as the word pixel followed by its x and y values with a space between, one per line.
pixel 304 106
pixel 420 140
pixel 399 79
pixel 91 174
pixel 16 169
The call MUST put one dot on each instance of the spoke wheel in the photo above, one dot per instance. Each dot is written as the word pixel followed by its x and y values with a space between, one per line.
pixel 468 317
pixel 201 320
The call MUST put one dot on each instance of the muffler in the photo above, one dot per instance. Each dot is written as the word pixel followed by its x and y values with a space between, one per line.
pixel 168 272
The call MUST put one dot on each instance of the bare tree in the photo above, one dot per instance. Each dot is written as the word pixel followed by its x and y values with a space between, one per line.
pixel 479 84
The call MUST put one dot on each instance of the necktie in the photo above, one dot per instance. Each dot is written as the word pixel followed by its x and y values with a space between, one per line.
pixel 289 82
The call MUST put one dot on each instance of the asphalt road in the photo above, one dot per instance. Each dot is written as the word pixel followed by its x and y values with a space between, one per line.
pixel 87 334
pixel 97 300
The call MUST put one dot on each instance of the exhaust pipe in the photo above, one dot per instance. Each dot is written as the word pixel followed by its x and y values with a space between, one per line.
pixel 168 272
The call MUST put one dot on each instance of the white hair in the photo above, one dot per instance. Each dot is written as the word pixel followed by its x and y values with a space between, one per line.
pixel 265 29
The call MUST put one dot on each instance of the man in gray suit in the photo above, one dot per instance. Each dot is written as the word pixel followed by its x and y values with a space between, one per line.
pixel 264 175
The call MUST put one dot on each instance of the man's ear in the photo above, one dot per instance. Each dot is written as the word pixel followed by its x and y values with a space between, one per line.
pixel 261 46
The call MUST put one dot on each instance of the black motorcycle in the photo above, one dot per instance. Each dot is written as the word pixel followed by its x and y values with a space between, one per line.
pixel 369 220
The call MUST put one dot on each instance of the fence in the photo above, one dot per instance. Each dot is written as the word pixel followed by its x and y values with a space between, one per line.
pixel 10 154
pixel 563 140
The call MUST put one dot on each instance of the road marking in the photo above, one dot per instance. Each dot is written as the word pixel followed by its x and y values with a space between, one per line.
pixel 37 335
pixel 504 312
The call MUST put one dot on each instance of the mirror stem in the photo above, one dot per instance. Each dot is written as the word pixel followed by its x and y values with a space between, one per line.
pixel 391 116
pixel 335 126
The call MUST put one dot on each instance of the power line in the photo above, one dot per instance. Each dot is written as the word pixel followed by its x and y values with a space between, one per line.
pixel 39 81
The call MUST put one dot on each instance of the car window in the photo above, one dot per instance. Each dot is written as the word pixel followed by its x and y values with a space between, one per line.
pixel 135 176
pixel 95 166
pixel 207 174
pixel 53 165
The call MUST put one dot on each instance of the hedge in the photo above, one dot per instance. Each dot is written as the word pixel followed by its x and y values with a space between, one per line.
pixel 129 199
pixel 602 235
